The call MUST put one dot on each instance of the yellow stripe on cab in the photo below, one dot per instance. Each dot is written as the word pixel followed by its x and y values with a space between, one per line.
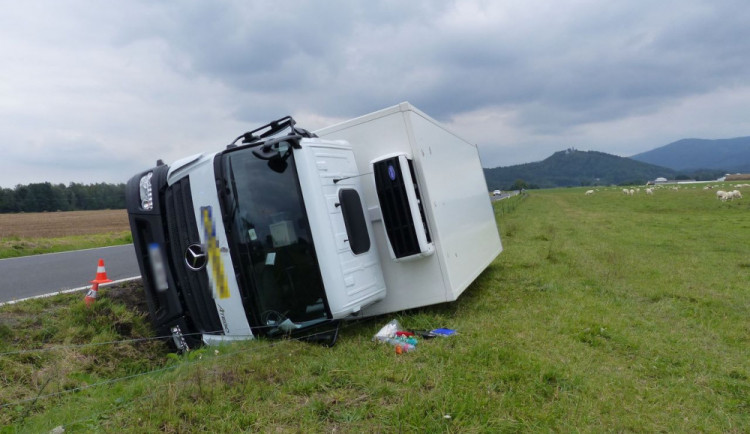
pixel 215 264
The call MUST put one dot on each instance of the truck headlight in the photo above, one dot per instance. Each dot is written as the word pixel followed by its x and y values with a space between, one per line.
pixel 147 198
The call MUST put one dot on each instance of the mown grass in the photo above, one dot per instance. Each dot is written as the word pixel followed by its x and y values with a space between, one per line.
pixel 58 344
pixel 604 313
pixel 14 246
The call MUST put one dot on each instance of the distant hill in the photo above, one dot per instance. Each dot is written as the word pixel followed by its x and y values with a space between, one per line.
pixel 575 168
pixel 728 155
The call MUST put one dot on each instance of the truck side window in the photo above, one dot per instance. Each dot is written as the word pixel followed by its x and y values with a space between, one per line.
pixel 354 220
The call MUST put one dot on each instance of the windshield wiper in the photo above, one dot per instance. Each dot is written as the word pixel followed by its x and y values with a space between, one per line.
pixel 234 210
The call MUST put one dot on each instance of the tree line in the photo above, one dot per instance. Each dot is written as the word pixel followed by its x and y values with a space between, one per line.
pixel 45 196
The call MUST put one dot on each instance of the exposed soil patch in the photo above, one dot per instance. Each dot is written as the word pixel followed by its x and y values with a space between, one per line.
pixel 63 224
pixel 130 294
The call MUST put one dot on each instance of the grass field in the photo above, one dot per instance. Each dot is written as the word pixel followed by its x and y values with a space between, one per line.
pixel 26 234
pixel 604 313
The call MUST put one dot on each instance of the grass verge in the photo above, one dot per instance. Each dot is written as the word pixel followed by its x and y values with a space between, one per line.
pixel 14 246
pixel 604 313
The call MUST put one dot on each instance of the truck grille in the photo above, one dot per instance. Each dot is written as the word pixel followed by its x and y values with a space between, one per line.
pixel 182 231
pixel 394 205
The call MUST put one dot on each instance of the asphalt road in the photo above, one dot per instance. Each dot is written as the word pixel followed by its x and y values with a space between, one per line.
pixel 504 195
pixel 31 276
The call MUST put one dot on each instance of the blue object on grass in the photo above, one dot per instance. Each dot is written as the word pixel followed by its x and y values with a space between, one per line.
pixel 444 332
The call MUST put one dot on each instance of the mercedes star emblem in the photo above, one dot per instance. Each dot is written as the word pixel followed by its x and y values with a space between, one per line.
pixel 195 257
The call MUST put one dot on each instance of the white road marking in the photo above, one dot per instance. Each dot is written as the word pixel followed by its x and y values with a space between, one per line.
pixel 67 291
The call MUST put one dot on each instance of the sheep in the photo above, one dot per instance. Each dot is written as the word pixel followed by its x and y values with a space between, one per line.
pixel 630 192
pixel 720 194
pixel 625 191
pixel 649 191
pixel 588 192
pixel 730 195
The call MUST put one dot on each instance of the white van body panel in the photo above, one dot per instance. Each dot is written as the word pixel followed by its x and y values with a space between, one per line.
pixel 454 194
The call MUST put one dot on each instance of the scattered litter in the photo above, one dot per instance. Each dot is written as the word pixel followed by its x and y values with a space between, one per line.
pixel 402 347
pixel 443 332
pixel 388 331
pixel 391 333
pixel 424 334
pixel 406 340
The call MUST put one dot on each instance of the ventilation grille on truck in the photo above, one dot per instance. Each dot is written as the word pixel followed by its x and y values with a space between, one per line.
pixel 400 204
pixel 182 231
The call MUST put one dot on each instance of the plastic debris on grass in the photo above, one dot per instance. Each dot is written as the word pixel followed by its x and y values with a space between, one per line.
pixel 392 333
pixel 443 332
pixel 406 340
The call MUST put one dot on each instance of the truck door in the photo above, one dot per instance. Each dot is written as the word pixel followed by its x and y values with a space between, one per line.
pixel 332 191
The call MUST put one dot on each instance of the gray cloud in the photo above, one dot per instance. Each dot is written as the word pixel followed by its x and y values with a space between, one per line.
pixel 140 80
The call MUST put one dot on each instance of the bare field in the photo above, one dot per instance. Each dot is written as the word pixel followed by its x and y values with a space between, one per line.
pixel 63 224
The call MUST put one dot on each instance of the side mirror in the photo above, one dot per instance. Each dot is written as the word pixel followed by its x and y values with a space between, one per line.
pixel 266 153
pixel 276 161
pixel 278 164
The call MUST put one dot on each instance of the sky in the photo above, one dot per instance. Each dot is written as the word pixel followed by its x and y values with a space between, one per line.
pixel 98 91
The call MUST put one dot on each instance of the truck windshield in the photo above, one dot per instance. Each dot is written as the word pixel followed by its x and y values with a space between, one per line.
pixel 272 246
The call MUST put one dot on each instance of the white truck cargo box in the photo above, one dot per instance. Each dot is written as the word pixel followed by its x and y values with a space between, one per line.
pixel 456 237
pixel 287 231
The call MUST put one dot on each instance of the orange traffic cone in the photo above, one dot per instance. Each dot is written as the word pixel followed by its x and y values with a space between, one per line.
pixel 101 274
pixel 101 277
pixel 91 295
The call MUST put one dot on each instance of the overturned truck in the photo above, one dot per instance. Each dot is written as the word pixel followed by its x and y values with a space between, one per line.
pixel 285 230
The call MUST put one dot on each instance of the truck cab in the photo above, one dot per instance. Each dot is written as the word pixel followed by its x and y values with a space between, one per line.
pixel 268 236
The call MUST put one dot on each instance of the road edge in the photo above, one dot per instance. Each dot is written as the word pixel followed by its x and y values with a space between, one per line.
pixel 67 291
